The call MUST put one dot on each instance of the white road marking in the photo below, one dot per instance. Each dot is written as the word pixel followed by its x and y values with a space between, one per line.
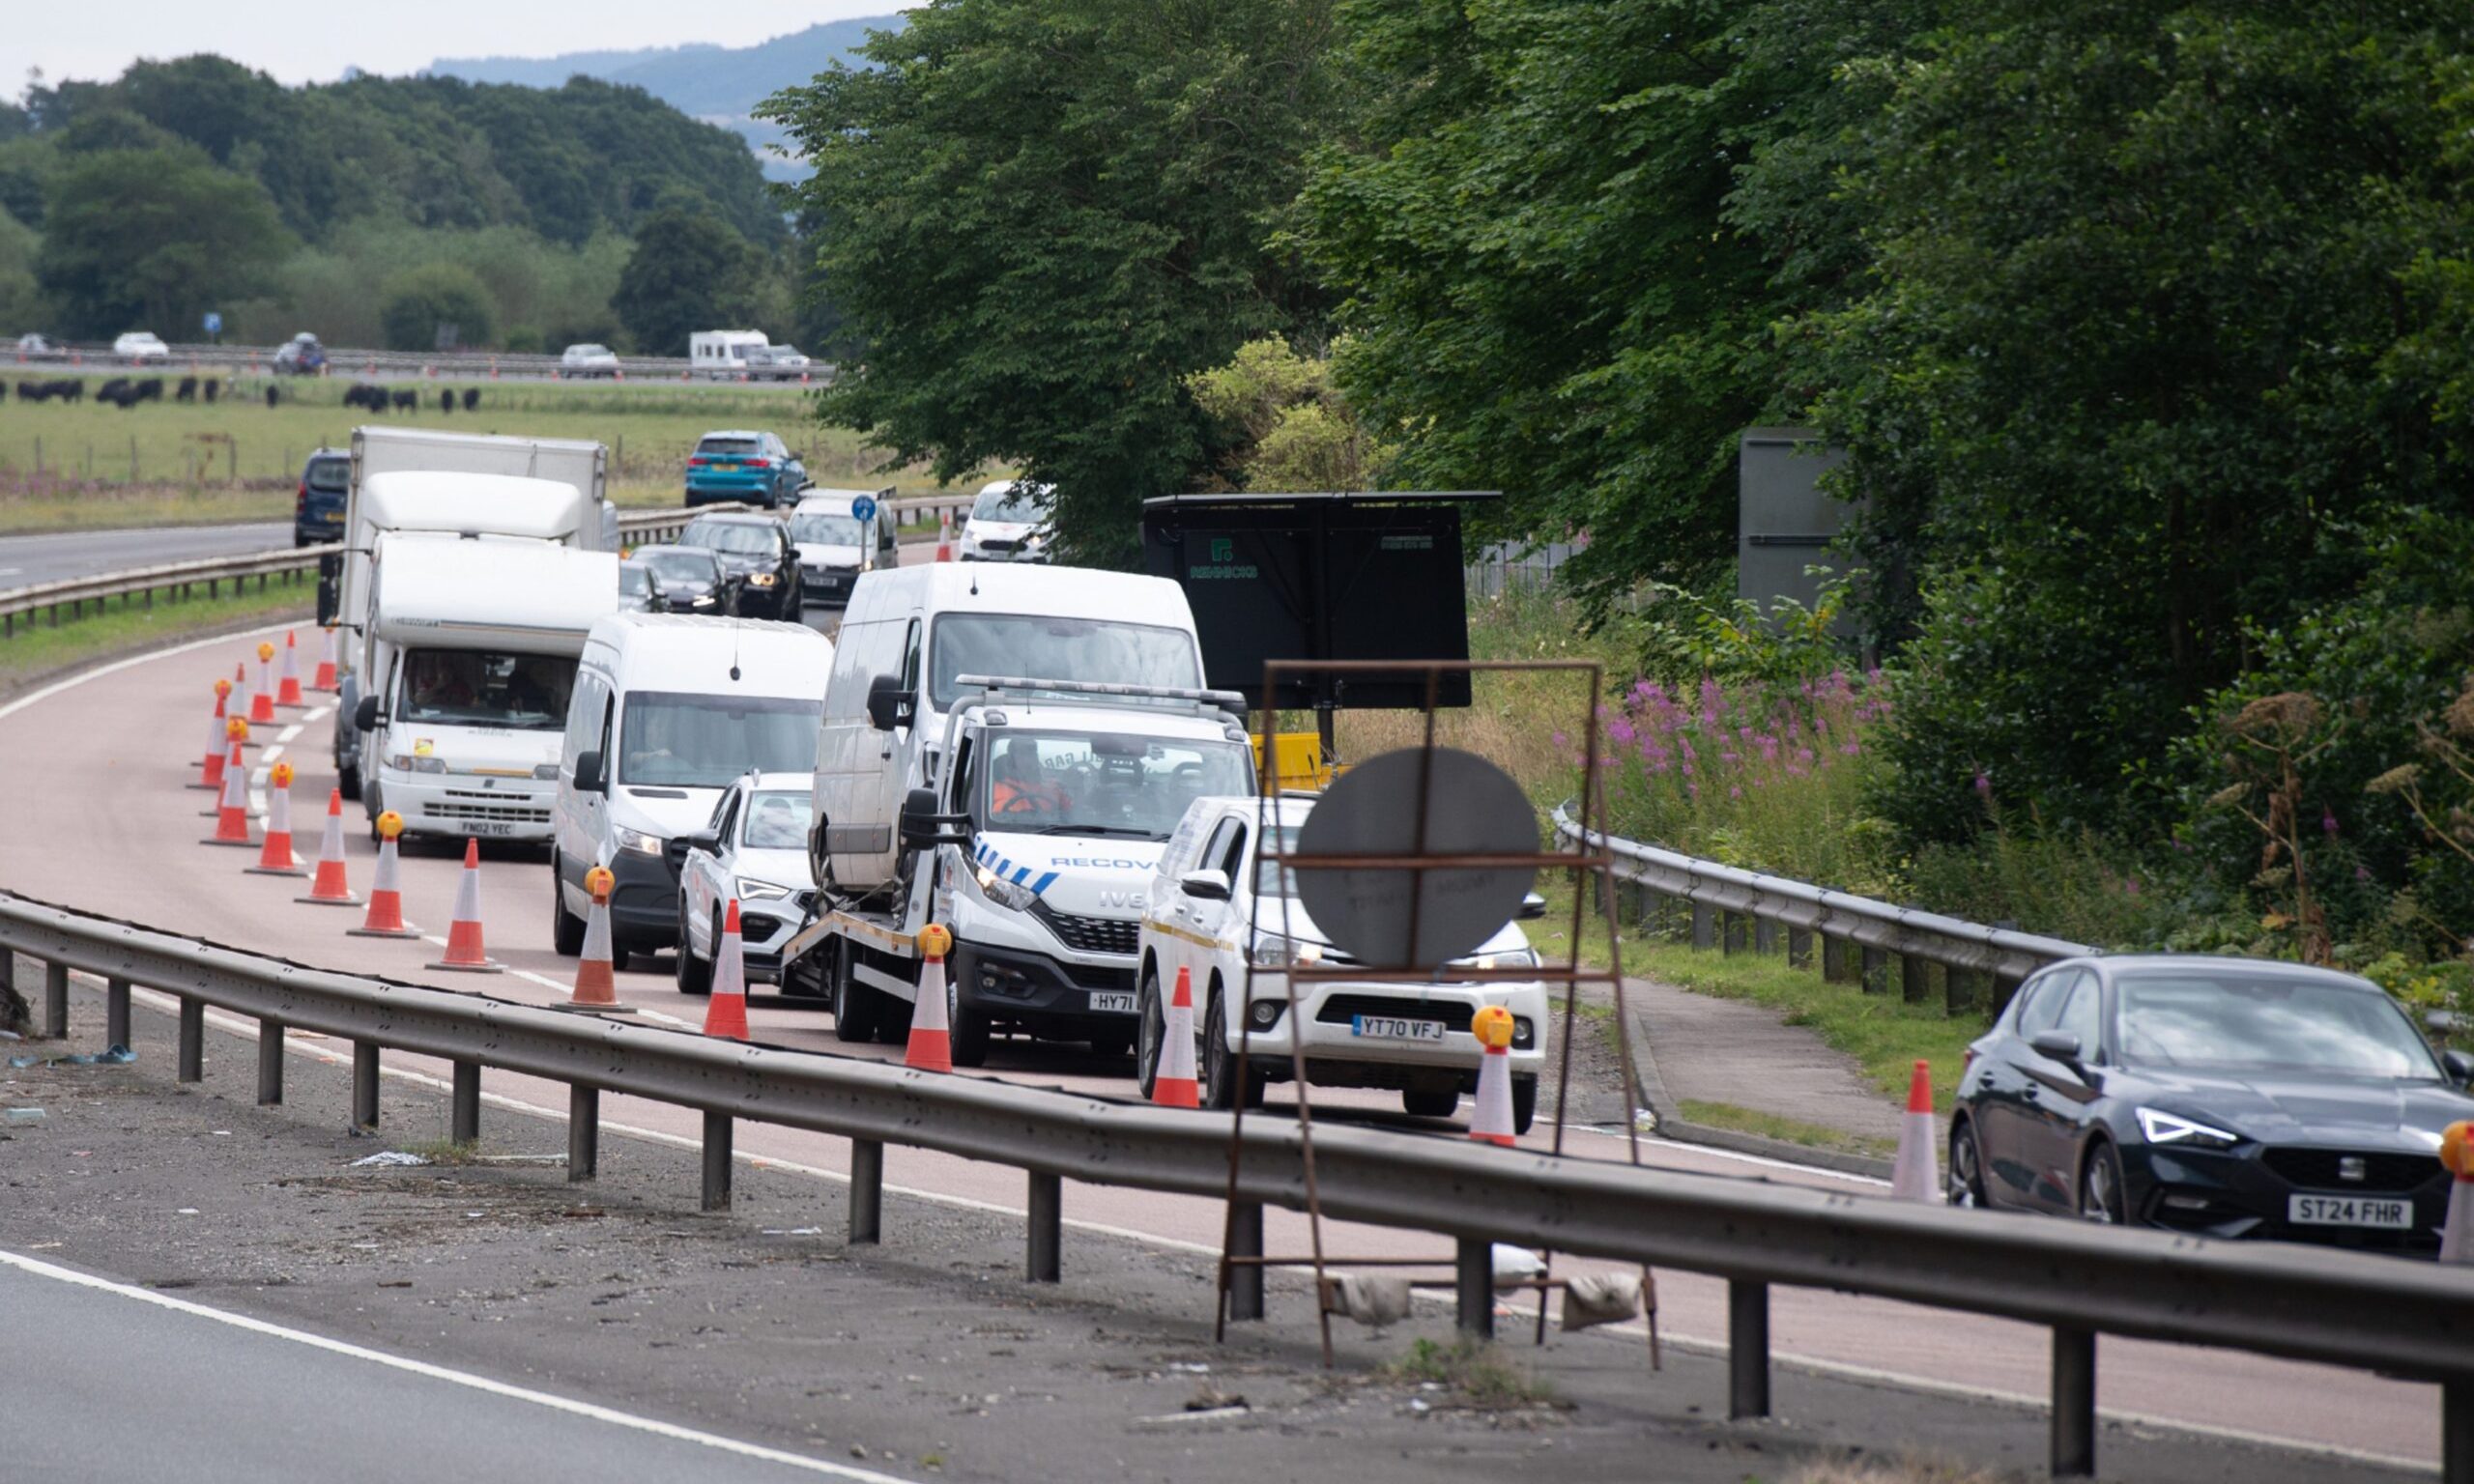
pixel 57 687
pixel 589 1411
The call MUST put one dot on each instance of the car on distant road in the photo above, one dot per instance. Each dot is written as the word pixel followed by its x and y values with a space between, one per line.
pixel 300 356
pixel 757 561
pixel 1007 523
pixel 35 347
pixel 680 579
pixel 743 464
pixel 318 506
pixel 1214 907
pixel 2228 1097
pixel 754 850
pixel 141 345
pixel 835 546
pixel 776 363
pixel 588 361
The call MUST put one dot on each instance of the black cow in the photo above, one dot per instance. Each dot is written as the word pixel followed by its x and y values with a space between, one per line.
pixel 407 400
pixel 150 389
pixel 118 393
pixel 33 391
pixel 472 398
pixel 188 392
pixel 445 399
pixel 270 395
pixel 212 386
pixel 70 389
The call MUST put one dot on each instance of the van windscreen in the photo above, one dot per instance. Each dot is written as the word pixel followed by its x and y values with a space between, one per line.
pixel 677 740
pixel 1043 648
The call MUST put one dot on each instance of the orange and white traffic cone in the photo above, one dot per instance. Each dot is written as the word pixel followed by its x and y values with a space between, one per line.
pixel 262 699
pixel 2456 1153
pixel 1173 1084
pixel 232 812
pixel 1917 1175
pixel 596 978
pixel 325 679
pixel 1491 1121
pixel 215 742
pixel 464 952
pixel 287 690
pixel 945 536
pixel 725 1012
pixel 236 706
pixel 386 916
pixel 236 736
pixel 329 888
pixel 931 1038
pixel 276 858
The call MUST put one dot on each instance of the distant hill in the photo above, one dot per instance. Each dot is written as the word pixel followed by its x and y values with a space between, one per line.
pixel 718 84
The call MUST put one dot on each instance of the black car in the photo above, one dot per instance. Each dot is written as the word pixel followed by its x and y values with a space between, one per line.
pixel 318 509
pixel 679 579
pixel 758 560
pixel 2221 1096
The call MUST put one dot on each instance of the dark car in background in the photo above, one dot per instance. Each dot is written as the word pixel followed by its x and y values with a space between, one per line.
pixel 2228 1097
pixel 318 508
pixel 758 560
pixel 743 466
pixel 677 579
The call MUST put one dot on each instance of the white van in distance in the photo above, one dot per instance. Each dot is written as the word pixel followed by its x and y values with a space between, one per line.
pixel 669 710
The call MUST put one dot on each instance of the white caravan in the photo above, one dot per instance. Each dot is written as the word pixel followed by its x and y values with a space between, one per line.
pixel 721 353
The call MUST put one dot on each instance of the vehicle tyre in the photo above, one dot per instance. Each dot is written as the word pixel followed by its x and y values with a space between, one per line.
pixel 1219 1064
pixel 348 780
pixel 618 956
pixel 1966 1167
pixel 969 1030
pixel 1524 1104
pixel 856 1008
pixel 893 1019
pixel 1419 1103
pixel 1150 1031
pixel 567 929
pixel 1112 1045
pixel 695 976
pixel 2100 1184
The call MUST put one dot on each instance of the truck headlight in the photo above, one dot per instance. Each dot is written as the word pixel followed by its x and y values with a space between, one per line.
pixel 407 763
pixel 1273 952
pixel 1012 894
pixel 546 772
pixel 637 840
pixel 752 890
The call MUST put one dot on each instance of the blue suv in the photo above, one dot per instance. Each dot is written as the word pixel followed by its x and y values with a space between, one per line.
pixel 754 468
pixel 318 510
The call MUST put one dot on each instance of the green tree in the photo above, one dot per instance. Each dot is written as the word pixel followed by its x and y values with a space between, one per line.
pixel 687 273
pixel 1293 428
pixel 1037 217
pixel 151 239
pixel 421 306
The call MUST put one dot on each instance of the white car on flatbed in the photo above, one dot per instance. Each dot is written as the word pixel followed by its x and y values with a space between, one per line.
pixel 1214 905
pixel 753 852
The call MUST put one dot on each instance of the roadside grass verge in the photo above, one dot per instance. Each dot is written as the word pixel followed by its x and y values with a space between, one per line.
pixel 127 625
pixel 1479 1375
pixel 1789 1130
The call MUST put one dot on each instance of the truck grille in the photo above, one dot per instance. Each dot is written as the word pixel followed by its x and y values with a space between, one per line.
pixel 1089 934
pixel 2320 1169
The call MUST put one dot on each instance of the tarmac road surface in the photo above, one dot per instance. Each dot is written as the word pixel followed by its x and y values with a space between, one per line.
pixel 100 818
pixel 25 560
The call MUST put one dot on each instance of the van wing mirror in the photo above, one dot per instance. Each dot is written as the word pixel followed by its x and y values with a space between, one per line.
pixel 674 849
pixel 588 773
pixel 330 577
pixel 921 827
pixel 1532 907
pixel 1204 885
pixel 888 703
pixel 365 717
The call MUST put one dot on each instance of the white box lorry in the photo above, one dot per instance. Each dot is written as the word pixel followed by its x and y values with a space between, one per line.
pixel 469 657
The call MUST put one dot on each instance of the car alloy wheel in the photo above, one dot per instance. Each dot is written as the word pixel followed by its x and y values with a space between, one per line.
pixel 1146 1047
pixel 2100 1186
pixel 1966 1167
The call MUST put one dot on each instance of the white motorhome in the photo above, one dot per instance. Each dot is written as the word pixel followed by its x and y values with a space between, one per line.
pixel 722 352
pixel 668 710
pixel 471 652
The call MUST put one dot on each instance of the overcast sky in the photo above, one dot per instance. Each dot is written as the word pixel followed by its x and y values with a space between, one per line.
pixel 313 41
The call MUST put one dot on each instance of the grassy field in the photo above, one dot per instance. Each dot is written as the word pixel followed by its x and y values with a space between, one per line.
pixel 127 627
pixel 77 466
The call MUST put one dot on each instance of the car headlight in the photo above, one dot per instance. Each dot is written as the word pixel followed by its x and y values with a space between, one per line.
pixel 1012 894
pixel 752 890
pixel 2159 1127
pixel 700 600
pixel 637 840
pixel 1273 952
pixel 761 578
pixel 546 772
pixel 1509 958
pixel 408 763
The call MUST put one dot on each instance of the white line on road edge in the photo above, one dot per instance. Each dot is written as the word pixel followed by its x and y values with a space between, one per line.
pixel 148 657
pixel 586 1409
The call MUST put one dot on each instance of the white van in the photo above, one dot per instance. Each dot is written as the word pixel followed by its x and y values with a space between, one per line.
pixel 669 709
pixel 910 634
pixel 470 654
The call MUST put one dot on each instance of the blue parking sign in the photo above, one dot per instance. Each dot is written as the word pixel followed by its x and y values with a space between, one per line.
pixel 213 323
pixel 863 510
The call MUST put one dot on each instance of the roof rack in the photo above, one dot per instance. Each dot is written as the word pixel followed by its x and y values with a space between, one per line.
pixel 1103 691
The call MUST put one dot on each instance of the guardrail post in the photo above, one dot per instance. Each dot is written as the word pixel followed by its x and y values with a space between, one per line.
pixel 1800 948
pixel 2074 1403
pixel 1736 939
pixel 269 1062
pixel 364 1084
pixel 1474 1285
pixel 1747 1349
pixel 2004 986
pixel 1704 925
pixel 1958 989
pixel 465 1117
pixel 55 1000
pixel 1765 936
pixel 2457 1430
pixel 1876 970
pixel 1833 958
pixel 1915 979
pixel 190 1060
pixel 116 1013
pixel 1246 1279
pixel 1046 1257
pixel 8 967
pixel 867 1191
pixel 584 1133
pixel 1646 904
pixel 717 1162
